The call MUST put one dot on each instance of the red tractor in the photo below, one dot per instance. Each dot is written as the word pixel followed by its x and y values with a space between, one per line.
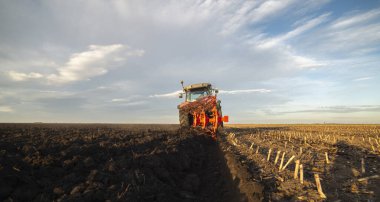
pixel 201 108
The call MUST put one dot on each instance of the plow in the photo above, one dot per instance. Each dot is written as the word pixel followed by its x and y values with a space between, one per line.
pixel 201 109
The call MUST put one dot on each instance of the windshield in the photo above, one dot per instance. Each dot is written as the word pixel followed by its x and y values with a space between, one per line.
pixel 193 95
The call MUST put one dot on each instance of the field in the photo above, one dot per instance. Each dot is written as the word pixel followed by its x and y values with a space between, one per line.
pixel 99 162
pixel 345 159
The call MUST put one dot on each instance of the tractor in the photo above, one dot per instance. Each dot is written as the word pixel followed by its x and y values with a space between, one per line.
pixel 201 109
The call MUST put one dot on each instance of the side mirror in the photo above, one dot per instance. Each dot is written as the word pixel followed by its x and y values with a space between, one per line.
pixel 180 95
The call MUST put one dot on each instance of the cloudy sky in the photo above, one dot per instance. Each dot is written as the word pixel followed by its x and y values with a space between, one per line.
pixel 285 61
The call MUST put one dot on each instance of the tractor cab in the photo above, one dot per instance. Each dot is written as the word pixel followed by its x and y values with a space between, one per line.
pixel 195 91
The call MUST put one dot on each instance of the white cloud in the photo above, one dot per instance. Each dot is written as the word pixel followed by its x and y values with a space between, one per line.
pixel 6 109
pixel 130 100
pixel 351 40
pixel 268 8
pixel 48 91
pixel 307 7
pixel 268 43
pixel 283 52
pixel 96 61
pixel 133 103
pixel 362 78
pixel 238 19
pixel 360 18
pixel 234 92
pixel 352 35
pixel 17 76
pixel 228 92
pixel 305 62
pixel 167 95
pixel 252 12
pixel 119 100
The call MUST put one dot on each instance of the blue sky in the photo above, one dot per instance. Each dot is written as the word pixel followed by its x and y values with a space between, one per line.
pixel 286 61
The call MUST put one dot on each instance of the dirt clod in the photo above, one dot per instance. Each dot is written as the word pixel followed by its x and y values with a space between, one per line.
pixel 58 191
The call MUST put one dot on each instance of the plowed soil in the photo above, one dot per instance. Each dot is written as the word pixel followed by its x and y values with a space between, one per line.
pixel 76 162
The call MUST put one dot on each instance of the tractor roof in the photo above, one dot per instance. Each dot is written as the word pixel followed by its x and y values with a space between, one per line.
pixel 196 86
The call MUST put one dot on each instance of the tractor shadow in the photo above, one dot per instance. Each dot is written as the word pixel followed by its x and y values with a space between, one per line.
pixel 216 169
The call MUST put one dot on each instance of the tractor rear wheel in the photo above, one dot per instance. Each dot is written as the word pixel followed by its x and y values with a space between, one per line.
pixel 184 119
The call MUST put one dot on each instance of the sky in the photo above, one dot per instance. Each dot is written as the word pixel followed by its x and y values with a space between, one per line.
pixel 116 61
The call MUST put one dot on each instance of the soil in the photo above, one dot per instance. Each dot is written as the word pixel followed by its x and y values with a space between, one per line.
pixel 342 177
pixel 95 162
pixel 134 162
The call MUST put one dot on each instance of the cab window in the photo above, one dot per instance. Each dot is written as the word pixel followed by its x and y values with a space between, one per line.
pixel 193 95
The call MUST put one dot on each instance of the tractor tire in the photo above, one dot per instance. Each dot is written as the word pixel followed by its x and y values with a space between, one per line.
pixel 184 120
